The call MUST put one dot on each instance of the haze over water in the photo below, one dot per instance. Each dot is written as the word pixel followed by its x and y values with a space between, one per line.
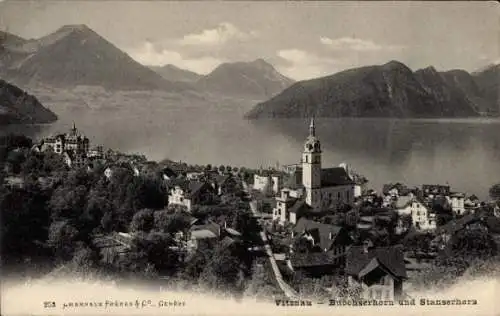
pixel 462 152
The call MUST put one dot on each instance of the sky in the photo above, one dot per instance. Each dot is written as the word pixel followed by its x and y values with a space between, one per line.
pixel 301 39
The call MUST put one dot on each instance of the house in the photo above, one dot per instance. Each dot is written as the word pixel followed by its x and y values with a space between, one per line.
pixel 395 189
pixel 323 237
pixel 496 209
pixel 423 218
pixel 190 193
pixel 112 247
pixel 96 152
pixel 209 235
pixel 445 232
pixel 289 209
pixel 224 184
pixel 72 141
pixel 472 203
pixel 457 202
pixel 75 158
pixel 328 244
pixel 379 273
pixel 316 264
pixel 431 190
pixel 268 182
pixel 194 175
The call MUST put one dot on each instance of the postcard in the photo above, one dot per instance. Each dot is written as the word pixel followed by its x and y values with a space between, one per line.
pixel 249 158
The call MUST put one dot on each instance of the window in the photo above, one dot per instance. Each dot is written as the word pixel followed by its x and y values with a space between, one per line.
pixel 378 294
pixel 387 295
pixel 338 195
pixel 306 159
pixel 382 281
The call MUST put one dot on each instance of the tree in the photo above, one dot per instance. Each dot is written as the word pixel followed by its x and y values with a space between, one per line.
pixel 142 221
pixel 154 249
pixel 473 244
pixel 223 272
pixel 494 192
pixel 62 238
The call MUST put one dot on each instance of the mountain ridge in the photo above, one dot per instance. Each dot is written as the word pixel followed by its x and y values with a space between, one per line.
pixel 17 106
pixel 257 78
pixel 388 90
pixel 76 55
pixel 174 73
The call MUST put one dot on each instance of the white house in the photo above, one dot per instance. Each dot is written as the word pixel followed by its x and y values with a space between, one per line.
pixel 422 217
pixel 191 193
pixel 457 202
pixel 268 183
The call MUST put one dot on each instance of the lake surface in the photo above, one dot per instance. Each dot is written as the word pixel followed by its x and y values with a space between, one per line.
pixel 464 153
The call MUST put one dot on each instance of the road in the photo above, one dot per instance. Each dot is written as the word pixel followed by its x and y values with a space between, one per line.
pixel 285 287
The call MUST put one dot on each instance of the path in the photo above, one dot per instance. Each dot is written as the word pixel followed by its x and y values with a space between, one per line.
pixel 285 287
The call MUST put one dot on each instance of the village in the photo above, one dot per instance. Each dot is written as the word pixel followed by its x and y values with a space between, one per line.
pixel 306 221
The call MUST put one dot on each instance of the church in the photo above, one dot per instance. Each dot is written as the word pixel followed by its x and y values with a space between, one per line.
pixel 317 189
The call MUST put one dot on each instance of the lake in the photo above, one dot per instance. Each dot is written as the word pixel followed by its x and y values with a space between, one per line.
pixel 462 152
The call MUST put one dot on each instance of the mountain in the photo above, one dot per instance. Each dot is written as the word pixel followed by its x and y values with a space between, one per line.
pixel 76 55
pixel 8 39
pixel 173 73
pixel 257 79
pixel 389 90
pixel 17 106
pixel 488 82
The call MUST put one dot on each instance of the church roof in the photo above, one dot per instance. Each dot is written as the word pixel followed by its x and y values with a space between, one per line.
pixel 334 177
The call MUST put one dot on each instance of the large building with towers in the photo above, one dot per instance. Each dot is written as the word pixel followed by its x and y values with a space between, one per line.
pixel 319 189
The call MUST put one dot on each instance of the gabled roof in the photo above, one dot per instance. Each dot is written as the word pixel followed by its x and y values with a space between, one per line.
pixel 391 258
pixel 211 226
pixel 455 225
pixel 334 177
pixel 190 188
pixel 203 234
pixel 169 172
pixel 298 206
pixel 403 201
pixel 319 231
pixel 312 259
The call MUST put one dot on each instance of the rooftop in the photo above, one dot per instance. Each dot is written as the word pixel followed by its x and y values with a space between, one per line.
pixel 360 261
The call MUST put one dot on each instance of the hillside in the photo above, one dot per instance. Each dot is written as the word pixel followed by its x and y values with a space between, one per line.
pixel 76 55
pixel 389 90
pixel 16 106
pixel 8 39
pixel 257 79
pixel 173 73
pixel 488 82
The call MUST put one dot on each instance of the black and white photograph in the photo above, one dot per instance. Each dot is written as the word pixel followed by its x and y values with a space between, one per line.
pixel 249 157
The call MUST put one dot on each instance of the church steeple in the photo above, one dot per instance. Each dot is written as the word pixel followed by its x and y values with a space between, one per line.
pixel 312 128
